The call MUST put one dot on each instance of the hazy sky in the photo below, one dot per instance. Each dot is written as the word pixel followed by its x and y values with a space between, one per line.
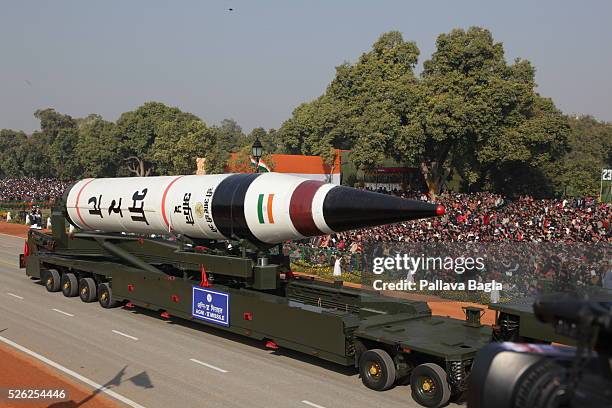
pixel 257 63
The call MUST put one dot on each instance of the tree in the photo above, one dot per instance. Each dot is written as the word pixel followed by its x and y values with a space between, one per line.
pixel 58 133
pixel 34 158
pixel 179 144
pixel 578 173
pixel 229 136
pixel 53 122
pixel 477 114
pixel 10 151
pixel 469 112
pixel 216 160
pixel 138 131
pixel 365 108
pixel 98 147
pixel 66 163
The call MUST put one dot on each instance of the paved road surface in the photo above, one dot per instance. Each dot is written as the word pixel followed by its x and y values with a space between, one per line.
pixel 164 364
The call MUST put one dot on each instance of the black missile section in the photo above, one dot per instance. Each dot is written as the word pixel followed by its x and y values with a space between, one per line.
pixel 346 208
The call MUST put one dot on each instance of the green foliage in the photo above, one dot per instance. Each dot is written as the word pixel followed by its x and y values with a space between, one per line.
pixel 52 123
pixel 139 129
pixel 480 116
pixel 578 173
pixel 470 112
pixel 98 147
pixel 152 139
pixel 34 158
pixel 216 160
pixel 363 109
pixel 51 151
pixel 11 143
pixel 178 144
pixel 229 136
pixel 65 162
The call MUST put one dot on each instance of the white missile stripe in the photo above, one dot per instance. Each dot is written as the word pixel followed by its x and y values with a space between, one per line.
pixel 201 190
pixel 282 186
pixel 317 208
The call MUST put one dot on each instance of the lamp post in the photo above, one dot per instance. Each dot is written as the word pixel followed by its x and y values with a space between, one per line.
pixel 257 152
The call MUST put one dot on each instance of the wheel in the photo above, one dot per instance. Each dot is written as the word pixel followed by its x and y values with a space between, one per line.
pixel 377 369
pixel 70 285
pixel 87 290
pixel 429 385
pixel 105 296
pixel 52 280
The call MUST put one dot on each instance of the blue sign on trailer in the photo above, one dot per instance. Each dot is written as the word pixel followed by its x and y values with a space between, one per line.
pixel 210 305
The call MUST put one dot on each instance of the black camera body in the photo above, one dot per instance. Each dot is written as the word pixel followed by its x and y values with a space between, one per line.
pixel 521 375
pixel 514 375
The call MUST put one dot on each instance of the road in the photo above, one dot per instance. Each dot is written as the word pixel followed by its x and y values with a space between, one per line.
pixel 159 363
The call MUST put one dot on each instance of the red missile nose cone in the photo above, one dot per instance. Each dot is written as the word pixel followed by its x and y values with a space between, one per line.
pixel 440 210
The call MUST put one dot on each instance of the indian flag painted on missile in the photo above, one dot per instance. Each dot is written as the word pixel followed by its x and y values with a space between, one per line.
pixel 262 165
pixel 264 208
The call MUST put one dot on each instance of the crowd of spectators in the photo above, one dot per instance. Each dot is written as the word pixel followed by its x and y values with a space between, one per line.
pixel 488 217
pixel 31 189
pixel 528 239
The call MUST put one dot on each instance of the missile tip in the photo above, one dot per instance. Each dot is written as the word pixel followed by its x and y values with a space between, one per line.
pixel 440 210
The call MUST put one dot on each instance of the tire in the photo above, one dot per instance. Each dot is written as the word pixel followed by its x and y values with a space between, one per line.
pixel 377 370
pixel 87 290
pixel 429 385
pixel 105 296
pixel 52 280
pixel 70 285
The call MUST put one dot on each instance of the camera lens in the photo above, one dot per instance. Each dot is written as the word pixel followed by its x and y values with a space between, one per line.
pixel 544 385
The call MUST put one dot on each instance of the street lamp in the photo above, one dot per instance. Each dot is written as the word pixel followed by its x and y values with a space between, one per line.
pixel 257 152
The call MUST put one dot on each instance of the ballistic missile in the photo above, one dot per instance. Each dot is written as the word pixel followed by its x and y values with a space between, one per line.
pixel 265 209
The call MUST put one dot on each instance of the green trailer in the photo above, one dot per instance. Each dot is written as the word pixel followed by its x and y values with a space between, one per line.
pixel 245 291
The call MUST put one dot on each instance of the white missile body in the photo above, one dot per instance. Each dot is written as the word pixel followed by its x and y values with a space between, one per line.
pixel 144 205
pixel 264 208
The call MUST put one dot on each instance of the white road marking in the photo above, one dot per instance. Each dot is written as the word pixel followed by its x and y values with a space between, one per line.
pixel 14 295
pixel 93 384
pixel 124 335
pixel 312 404
pixel 208 365
pixel 62 312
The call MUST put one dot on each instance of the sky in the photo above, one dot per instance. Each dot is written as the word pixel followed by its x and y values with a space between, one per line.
pixel 259 62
